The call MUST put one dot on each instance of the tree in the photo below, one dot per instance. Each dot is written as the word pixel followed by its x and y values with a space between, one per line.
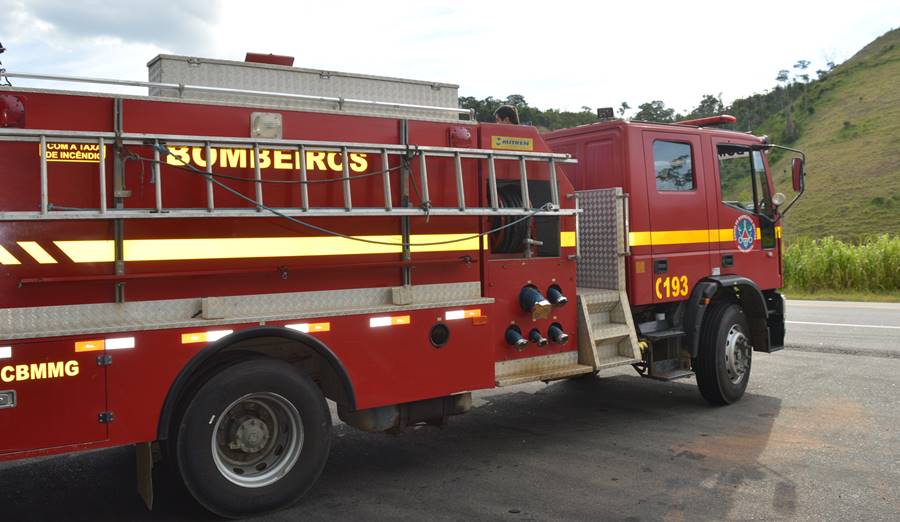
pixel 622 108
pixel 550 119
pixel 783 76
pixel 790 128
pixel 801 65
pixel 654 111
pixel 516 100
pixel 709 106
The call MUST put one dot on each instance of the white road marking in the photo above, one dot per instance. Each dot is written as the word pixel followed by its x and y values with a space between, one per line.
pixel 849 325
pixel 842 304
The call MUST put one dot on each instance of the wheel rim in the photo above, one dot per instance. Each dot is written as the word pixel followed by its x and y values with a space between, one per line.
pixel 737 354
pixel 257 439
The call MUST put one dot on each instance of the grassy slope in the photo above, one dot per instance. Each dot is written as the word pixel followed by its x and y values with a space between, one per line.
pixel 850 130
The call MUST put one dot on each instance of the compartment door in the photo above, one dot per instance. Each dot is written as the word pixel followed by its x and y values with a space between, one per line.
pixel 59 395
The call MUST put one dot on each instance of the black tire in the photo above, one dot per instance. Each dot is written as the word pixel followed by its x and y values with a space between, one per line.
pixel 247 411
pixel 724 325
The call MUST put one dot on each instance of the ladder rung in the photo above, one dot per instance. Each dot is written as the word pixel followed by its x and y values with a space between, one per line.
pixel 157 178
pixel 423 177
pixel 102 174
pixel 210 201
pixel 460 190
pixel 45 206
pixel 304 190
pixel 492 183
pixel 386 180
pixel 523 180
pixel 554 188
pixel 348 198
pixel 257 175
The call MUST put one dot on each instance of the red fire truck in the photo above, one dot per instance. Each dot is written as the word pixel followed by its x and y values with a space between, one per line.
pixel 196 271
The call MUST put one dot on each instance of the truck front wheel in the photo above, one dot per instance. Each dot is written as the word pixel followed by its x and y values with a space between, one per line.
pixel 253 438
pixel 722 365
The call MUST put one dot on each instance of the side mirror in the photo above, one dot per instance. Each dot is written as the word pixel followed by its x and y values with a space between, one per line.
pixel 797 174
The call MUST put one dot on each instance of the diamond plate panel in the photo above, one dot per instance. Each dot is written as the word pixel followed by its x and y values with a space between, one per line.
pixel 534 365
pixel 51 321
pixel 600 239
pixel 264 77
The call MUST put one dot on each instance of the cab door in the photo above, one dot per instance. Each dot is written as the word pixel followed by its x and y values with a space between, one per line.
pixel 679 222
pixel 747 236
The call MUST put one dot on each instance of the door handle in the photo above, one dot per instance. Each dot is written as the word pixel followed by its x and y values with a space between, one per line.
pixel 661 266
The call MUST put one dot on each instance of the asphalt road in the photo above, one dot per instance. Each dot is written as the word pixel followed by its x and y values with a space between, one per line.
pixel 817 437
pixel 842 327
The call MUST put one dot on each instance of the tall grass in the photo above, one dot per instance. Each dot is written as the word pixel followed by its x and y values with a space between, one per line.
pixel 873 265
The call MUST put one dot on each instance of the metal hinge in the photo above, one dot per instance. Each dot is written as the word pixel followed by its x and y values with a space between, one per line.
pixel 105 417
pixel 104 360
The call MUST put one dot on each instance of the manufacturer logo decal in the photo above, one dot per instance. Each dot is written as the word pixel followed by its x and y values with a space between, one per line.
pixel 744 233
pixel 512 143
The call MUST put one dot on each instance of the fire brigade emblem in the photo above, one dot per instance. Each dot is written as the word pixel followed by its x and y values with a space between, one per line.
pixel 744 233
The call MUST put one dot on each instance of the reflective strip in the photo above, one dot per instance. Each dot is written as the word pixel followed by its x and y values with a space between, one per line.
pixel 778 232
pixel 452 315
pixel 8 259
pixel 121 343
pixel 310 327
pixel 118 343
pixel 37 252
pixel 5 352
pixel 685 237
pixel 103 251
pixel 90 346
pixel 567 239
pixel 204 337
pixel 391 320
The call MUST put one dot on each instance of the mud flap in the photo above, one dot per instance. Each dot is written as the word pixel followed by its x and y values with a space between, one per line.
pixel 144 466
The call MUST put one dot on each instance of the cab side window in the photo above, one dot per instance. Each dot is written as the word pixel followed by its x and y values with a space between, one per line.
pixel 674 163
pixel 736 177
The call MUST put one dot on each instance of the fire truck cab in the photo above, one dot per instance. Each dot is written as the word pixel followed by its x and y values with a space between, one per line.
pixel 702 226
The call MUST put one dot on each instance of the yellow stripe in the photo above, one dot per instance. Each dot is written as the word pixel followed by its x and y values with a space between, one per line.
pixel 37 252
pixel 567 239
pixel 467 244
pixel 778 232
pixel 256 247
pixel 8 259
pixel 684 237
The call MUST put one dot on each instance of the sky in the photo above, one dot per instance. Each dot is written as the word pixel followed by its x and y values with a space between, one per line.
pixel 557 54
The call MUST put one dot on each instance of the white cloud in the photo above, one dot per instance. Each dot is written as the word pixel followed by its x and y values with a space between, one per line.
pixel 560 54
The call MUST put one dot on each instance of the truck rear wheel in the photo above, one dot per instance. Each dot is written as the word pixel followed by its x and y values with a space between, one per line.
pixel 253 438
pixel 722 365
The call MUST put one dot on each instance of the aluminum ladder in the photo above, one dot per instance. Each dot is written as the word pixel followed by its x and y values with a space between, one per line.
pixel 407 153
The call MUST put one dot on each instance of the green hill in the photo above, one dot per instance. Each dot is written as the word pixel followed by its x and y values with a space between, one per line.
pixel 848 123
